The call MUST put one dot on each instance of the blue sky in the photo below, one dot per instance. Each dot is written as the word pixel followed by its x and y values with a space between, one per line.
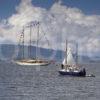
pixel 7 7
pixel 76 20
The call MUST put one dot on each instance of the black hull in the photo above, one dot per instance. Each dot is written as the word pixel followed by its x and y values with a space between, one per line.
pixel 81 73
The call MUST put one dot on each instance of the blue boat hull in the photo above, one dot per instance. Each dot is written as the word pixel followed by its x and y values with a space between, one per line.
pixel 79 73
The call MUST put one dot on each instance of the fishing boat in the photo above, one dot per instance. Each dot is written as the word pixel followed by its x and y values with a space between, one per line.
pixel 31 61
pixel 69 66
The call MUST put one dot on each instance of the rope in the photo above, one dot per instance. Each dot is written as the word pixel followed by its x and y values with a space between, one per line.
pixel 44 35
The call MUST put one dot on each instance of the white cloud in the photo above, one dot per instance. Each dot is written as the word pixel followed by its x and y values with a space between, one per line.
pixel 59 23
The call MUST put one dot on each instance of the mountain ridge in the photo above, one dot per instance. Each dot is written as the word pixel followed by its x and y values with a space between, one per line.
pixel 7 51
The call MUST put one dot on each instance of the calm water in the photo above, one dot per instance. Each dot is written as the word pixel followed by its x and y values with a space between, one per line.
pixel 44 83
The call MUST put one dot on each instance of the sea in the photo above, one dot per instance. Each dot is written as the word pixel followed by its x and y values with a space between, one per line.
pixel 45 83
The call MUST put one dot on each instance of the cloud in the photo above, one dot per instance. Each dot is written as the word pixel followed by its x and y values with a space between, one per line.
pixel 58 23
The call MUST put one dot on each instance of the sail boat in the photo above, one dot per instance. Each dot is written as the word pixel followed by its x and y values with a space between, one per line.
pixel 70 66
pixel 36 60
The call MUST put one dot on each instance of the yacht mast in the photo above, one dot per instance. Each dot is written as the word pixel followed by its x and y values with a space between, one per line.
pixel 23 43
pixel 66 50
pixel 76 53
pixel 30 41
pixel 37 40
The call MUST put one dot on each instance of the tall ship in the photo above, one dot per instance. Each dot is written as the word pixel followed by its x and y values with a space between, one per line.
pixel 69 65
pixel 31 61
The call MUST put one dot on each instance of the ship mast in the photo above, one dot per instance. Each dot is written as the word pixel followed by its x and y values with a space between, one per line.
pixel 66 50
pixel 76 53
pixel 30 41
pixel 23 43
pixel 37 40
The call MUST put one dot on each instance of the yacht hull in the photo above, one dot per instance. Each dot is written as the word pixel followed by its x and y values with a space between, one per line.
pixel 72 73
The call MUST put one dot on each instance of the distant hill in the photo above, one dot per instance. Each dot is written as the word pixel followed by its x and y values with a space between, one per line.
pixel 10 51
pixel 95 59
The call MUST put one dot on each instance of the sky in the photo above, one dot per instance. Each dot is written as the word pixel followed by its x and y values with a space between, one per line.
pixel 75 20
pixel 7 7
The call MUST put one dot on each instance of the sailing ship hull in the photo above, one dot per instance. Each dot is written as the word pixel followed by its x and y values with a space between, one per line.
pixel 33 62
pixel 81 73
